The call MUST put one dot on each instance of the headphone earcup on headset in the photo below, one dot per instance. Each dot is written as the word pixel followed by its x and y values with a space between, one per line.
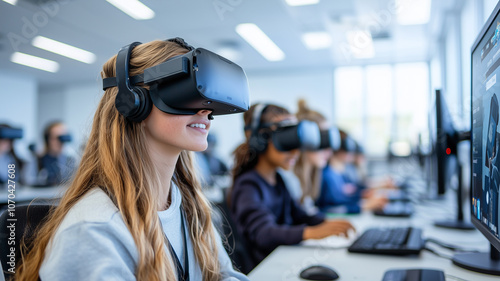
pixel 258 142
pixel 145 104
pixel 134 105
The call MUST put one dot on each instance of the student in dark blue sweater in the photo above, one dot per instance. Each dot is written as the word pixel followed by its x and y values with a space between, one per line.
pixel 261 206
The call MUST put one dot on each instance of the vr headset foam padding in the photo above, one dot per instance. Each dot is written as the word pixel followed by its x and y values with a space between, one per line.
pixel 11 133
pixel 65 138
pixel 305 135
pixel 330 139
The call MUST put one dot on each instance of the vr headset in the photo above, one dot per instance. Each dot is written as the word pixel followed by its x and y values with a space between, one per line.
pixel 347 144
pixel 305 135
pixel 285 135
pixel 182 85
pixel 330 139
pixel 65 138
pixel 10 133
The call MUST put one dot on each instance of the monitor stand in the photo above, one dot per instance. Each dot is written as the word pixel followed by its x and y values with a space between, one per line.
pixel 480 262
pixel 459 223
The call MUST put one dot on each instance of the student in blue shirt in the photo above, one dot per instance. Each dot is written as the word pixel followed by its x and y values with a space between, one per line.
pixel 339 194
pixel 135 209
pixel 261 206
pixel 55 167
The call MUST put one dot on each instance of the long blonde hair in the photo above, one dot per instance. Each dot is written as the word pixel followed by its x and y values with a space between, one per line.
pixel 309 176
pixel 116 159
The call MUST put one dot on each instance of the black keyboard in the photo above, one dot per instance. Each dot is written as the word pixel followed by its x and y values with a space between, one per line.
pixel 389 241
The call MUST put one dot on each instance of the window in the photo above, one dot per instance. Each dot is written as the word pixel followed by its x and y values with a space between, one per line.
pixel 378 104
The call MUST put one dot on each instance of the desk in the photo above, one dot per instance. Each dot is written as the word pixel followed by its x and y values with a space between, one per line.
pixel 285 262
pixel 25 194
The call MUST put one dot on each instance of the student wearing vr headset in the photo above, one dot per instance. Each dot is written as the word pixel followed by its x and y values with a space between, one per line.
pixel 261 206
pixel 54 166
pixel 135 209
pixel 339 194
pixel 8 154
pixel 310 165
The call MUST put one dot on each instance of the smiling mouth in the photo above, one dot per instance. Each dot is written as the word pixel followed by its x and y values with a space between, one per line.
pixel 198 125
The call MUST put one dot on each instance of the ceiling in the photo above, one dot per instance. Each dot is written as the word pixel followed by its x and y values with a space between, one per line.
pixel 99 27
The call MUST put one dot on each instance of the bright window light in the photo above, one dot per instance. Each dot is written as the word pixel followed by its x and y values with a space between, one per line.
pixel 63 49
pixel 12 2
pixel 35 62
pixel 317 40
pixel 360 44
pixel 133 8
pixel 301 2
pixel 413 12
pixel 260 42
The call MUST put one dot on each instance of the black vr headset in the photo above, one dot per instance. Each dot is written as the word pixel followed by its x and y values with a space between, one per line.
pixel 10 133
pixel 347 144
pixel 65 138
pixel 182 85
pixel 285 137
pixel 330 139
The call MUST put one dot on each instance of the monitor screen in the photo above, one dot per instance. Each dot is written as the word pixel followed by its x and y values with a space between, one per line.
pixel 485 130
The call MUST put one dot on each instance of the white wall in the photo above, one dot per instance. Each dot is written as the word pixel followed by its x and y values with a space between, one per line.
pixel 50 108
pixel 74 105
pixel 81 103
pixel 18 108
pixel 488 6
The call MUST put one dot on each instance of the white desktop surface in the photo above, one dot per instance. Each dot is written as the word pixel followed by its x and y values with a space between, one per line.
pixel 28 193
pixel 286 262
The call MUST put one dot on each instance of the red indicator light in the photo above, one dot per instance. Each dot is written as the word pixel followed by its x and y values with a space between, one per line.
pixel 448 151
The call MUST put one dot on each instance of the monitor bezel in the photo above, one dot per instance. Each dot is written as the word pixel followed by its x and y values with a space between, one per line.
pixel 477 223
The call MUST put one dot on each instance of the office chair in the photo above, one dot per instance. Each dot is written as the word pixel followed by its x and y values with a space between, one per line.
pixel 26 219
pixel 236 245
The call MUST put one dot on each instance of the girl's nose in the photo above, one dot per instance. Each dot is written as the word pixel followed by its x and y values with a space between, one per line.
pixel 206 112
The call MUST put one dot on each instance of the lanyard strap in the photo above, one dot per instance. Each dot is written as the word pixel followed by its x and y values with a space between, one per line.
pixel 182 275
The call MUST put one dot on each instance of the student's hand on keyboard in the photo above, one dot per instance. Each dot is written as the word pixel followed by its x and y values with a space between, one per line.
pixel 327 228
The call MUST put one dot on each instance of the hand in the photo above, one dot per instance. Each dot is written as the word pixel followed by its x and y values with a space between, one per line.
pixel 327 228
pixel 374 203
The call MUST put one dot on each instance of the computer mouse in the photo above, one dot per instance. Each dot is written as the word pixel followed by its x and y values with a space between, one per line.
pixel 319 272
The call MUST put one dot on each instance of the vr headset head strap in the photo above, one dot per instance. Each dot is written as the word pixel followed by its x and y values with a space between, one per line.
pixel 256 116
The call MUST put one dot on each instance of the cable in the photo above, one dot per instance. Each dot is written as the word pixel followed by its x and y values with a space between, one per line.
pixel 450 246
pixel 438 254
pixel 455 277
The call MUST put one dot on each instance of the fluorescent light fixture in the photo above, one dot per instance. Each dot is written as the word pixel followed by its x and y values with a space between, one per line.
pixel 360 44
pixel 260 42
pixel 317 40
pixel 413 12
pixel 12 2
pixel 63 49
pixel 35 62
pixel 301 2
pixel 133 8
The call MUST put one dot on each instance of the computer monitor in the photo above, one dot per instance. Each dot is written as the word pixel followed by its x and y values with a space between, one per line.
pixel 446 171
pixel 485 146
